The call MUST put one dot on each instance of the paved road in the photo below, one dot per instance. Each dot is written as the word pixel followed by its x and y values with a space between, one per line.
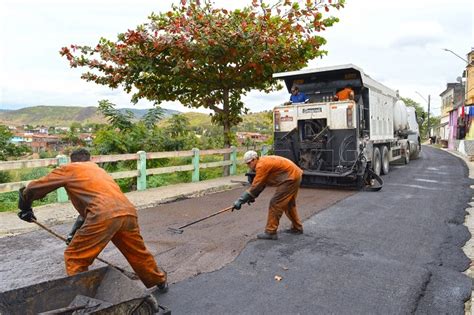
pixel 394 251
pixel 391 252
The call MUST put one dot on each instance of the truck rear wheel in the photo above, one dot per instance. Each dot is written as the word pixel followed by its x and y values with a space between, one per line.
pixel 385 161
pixel 406 159
pixel 415 155
pixel 414 150
pixel 377 161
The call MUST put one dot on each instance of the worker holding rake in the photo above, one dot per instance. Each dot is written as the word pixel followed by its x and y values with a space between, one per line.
pixel 107 214
pixel 286 176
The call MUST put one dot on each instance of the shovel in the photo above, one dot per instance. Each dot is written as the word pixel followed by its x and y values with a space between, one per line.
pixel 180 229
pixel 129 274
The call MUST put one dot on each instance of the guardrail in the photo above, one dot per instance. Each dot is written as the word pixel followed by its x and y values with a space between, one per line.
pixel 140 173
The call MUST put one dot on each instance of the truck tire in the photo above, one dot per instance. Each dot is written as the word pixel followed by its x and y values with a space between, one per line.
pixel 385 161
pixel 377 161
pixel 414 155
pixel 414 152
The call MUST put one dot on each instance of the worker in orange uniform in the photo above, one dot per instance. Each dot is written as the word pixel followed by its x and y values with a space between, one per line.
pixel 107 214
pixel 346 93
pixel 286 176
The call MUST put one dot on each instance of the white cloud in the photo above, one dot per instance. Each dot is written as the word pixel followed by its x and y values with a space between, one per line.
pixel 396 42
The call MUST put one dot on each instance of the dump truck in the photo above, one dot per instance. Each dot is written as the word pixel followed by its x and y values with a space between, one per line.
pixel 346 142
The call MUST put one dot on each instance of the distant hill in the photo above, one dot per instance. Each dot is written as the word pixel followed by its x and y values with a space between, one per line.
pixel 62 115
pixel 253 122
pixel 65 115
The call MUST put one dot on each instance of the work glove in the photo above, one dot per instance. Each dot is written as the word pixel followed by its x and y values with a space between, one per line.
pixel 76 226
pixel 26 212
pixel 245 198
pixel 22 203
pixel 27 215
pixel 69 238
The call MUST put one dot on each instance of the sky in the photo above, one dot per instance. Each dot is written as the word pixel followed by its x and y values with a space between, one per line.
pixel 398 43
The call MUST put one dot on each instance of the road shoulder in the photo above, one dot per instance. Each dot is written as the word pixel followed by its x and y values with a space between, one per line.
pixel 469 223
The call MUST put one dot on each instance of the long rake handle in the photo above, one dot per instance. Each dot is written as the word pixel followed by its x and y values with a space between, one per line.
pixel 127 273
pixel 205 218
pixel 44 227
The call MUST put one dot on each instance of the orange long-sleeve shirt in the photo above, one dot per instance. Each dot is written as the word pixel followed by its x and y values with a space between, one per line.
pixel 92 191
pixel 273 170
pixel 345 94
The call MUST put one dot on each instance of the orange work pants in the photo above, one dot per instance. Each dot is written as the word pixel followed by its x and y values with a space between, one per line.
pixel 124 232
pixel 284 201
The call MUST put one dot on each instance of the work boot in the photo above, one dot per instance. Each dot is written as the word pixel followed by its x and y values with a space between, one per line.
pixel 267 236
pixel 293 231
pixel 162 288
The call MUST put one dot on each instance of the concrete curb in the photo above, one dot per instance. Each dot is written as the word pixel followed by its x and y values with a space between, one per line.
pixel 59 213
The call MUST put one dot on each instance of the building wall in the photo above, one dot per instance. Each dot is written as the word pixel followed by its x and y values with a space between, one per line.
pixel 465 147
pixel 453 128
pixel 447 102
pixel 447 98
pixel 444 128
pixel 470 79
pixel 469 111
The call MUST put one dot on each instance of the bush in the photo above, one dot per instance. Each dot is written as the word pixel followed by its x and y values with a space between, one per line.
pixel 48 154
pixel 35 173
pixel 5 177
pixel 9 200
pixel 127 184
pixel 168 179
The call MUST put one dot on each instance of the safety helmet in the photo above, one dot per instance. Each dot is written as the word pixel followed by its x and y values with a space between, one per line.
pixel 250 155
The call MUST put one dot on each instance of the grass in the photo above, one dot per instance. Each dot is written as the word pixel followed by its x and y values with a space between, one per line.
pixel 9 201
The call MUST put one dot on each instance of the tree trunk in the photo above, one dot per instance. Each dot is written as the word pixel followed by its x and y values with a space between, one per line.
pixel 226 125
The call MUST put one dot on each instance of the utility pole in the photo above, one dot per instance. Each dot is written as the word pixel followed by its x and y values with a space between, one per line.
pixel 429 127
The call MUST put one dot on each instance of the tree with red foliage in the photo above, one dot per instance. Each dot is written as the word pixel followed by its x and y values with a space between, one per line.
pixel 209 57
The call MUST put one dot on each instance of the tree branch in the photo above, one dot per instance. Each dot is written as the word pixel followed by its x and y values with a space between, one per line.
pixel 216 109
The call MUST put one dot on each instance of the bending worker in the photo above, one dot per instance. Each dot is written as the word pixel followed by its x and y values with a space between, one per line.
pixel 346 93
pixel 286 176
pixel 108 216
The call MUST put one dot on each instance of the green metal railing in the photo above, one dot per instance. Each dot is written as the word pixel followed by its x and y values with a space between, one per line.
pixel 141 172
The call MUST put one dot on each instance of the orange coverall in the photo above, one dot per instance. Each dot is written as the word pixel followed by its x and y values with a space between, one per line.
pixel 344 94
pixel 109 216
pixel 286 176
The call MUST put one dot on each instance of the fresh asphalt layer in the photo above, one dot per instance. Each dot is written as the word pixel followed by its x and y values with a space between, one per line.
pixel 388 252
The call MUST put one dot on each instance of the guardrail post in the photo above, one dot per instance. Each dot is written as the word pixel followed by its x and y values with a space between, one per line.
pixel 62 194
pixel 195 177
pixel 264 150
pixel 233 158
pixel 141 168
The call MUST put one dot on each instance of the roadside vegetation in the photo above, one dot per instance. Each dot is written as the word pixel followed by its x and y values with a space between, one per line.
pixel 125 133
